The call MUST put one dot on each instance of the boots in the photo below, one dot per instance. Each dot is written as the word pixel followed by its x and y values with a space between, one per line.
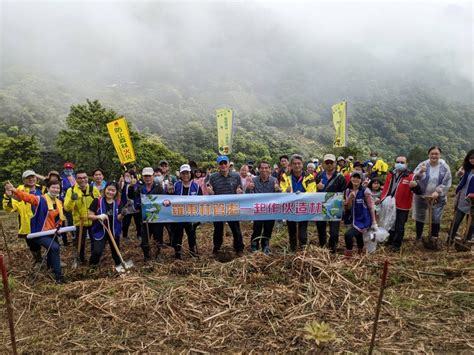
pixel 348 254
pixel 37 258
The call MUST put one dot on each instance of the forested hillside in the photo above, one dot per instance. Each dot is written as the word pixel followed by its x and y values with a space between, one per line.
pixel 391 121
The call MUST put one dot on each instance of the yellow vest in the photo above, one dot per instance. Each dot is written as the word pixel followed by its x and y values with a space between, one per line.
pixel 309 183
pixel 80 207
pixel 23 208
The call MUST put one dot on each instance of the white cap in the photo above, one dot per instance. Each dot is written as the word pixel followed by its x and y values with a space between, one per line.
pixel 147 171
pixel 27 173
pixel 185 167
pixel 340 158
pixel 311 165
pixel 330 157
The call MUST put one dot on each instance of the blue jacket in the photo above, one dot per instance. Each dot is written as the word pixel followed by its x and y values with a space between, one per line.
pixel 98 231
pixel 464 180
pixel 193 188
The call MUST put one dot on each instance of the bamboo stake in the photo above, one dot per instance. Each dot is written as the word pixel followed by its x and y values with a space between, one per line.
pixel 8 304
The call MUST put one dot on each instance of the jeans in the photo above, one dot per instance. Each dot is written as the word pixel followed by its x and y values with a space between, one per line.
pixel 262 239
pixel 419 230
pixel 53 258
pixel 352 233
pixel 302 228
pixel 98 247
pixel 333 233
pixel 218 237
pixel 177 236
pixel 398 231
pixel 458 218
pixel 127 220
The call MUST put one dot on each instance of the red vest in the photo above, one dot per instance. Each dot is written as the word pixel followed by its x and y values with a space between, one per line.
pixel 403 193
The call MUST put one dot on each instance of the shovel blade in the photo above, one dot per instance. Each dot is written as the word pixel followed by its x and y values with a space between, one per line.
pixel 128 264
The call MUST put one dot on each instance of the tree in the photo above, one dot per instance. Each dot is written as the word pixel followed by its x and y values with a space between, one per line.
pixel 18 154
pixel 86 141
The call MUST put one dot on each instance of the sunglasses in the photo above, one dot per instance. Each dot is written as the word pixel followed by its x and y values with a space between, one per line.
pixel 223 162
pixel 329 162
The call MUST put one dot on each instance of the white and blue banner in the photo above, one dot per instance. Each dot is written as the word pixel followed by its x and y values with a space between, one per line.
pixel 320 206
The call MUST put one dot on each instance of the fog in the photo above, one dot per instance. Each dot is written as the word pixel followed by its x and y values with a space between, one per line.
pixel 259 46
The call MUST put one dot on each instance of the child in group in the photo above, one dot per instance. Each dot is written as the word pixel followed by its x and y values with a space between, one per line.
pixel 375 188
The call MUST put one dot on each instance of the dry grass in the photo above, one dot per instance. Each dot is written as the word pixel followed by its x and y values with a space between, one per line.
pixel 251 304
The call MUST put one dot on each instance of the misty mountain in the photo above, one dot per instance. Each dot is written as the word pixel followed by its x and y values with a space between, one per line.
pixel 405 69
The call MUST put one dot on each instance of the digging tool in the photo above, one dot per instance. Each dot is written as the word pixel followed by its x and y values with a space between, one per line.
pixel 430 242
pixel 451 237
pixel 379 306
pixel 462 244
pixel 79 245
pixel 124 265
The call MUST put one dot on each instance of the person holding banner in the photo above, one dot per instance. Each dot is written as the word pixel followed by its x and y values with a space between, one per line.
pixel 77 201
pixel 297 181
pixel 186 186
pixel 220 183
pixel 331 181
pixel 264 183
pixel 25 211
pixel 360 213
pixel 48 216
pixel 147 187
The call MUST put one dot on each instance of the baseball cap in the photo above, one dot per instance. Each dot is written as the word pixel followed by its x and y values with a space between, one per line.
pixel 147 171
pixel 330 157
pixel 315 160
pixel 163 161
pixel 222 158
pixel 340 158
pixel 357 173
pixel 184 167
pixel 350 157
pixel 68 165
pixel 28 173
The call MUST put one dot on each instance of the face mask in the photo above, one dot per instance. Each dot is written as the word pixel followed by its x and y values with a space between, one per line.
pixel 68 171
pixel 400 166
pixel 128 180
pixel 157 179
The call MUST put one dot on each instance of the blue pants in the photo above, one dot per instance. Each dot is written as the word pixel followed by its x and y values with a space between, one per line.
pixel 53 260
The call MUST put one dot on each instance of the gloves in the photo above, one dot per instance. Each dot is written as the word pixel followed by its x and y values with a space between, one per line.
pixel 102 217
pixel 74 196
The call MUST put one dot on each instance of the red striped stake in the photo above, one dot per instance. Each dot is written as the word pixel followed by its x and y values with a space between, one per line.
pixel 379 305
pixel 8 304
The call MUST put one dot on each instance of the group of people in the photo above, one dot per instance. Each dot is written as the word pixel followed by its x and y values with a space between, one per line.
pixel 103 210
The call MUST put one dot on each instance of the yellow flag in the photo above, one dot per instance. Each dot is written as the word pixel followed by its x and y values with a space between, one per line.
pixel 339 118
pixel 224 130
pixel 120 135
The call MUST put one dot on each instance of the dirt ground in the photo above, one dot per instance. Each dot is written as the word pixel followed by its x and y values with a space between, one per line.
pixel 251 304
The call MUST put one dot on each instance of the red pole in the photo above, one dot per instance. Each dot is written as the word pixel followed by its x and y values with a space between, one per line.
pixel 379 305
pixel 8 304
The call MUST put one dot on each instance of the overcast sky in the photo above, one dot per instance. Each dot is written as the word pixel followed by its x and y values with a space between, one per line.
pixel 238 40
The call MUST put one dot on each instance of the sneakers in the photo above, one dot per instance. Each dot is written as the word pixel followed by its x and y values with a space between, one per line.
pixel 348 253
pixel 239 254
pixel 267 250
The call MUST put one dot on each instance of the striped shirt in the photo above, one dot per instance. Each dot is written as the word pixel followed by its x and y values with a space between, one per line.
pixel 225 185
